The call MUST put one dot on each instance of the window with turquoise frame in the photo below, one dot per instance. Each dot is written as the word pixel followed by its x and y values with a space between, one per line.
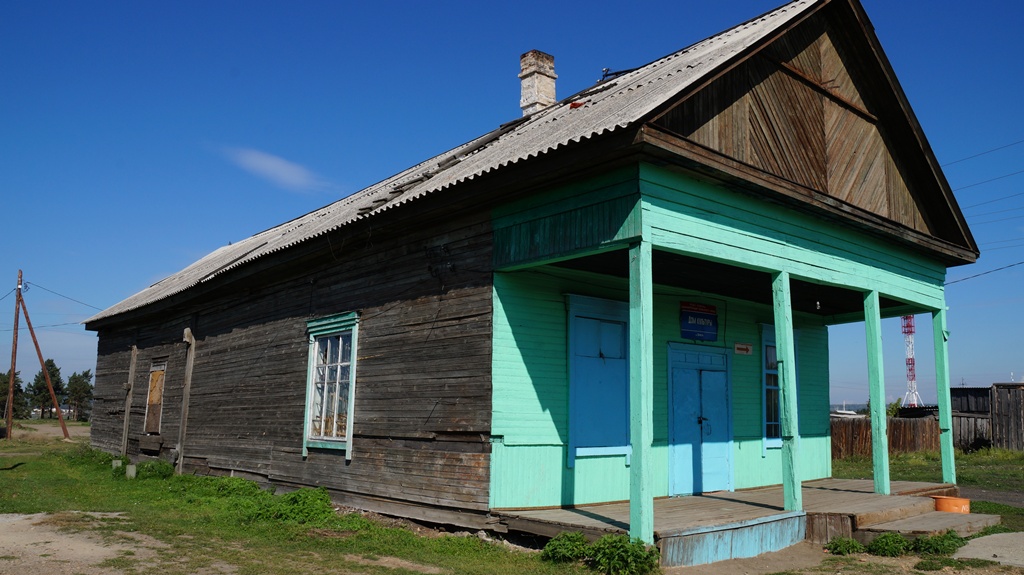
pixel 330 383
pixel 770 382
pixel 771 398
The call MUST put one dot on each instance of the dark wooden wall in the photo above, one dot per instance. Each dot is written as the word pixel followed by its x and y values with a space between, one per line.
pixel 423 395
pixel 970 399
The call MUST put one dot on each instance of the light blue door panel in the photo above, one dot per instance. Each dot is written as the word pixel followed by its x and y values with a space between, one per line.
pixel 715 440
pixel 700 434
pixel 684 447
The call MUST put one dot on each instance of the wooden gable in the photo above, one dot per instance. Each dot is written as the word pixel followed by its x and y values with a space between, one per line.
pixel 816 108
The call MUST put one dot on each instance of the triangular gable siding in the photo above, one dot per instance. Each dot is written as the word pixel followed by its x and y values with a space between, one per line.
pixel 794 110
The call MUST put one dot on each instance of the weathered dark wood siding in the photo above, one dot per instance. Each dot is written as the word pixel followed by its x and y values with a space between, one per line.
pixel 423 393
pixel 801 109
pixel 1008 416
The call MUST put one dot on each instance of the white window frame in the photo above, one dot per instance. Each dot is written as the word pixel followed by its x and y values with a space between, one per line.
pixel 318 329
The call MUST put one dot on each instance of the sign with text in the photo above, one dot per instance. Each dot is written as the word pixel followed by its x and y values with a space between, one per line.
pixel 698 321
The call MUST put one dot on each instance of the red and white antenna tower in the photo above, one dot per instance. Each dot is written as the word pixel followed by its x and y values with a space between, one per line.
pixel 912 398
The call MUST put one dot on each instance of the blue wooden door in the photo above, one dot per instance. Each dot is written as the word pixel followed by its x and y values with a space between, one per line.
pixel 700 449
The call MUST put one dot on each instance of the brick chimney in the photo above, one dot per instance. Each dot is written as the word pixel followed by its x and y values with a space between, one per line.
pixel 538 81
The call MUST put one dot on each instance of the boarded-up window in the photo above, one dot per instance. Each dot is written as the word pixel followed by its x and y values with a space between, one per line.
pixel 155 399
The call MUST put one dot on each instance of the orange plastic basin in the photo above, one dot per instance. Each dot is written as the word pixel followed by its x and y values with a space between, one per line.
pixel 952 504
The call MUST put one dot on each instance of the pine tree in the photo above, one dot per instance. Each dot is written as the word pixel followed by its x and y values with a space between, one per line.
pixel 21 410
pixel 80 394
pixel 39 395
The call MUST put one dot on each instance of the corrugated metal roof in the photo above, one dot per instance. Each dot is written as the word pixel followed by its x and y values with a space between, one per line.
pixel 608 106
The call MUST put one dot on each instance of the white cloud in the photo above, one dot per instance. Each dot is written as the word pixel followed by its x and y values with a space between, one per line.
pixel 277 170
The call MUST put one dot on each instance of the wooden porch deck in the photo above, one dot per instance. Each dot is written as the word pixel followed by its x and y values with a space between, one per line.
pixel 674 514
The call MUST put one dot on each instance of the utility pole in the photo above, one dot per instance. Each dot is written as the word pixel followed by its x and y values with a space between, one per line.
pixel 14 360
pixel 20 303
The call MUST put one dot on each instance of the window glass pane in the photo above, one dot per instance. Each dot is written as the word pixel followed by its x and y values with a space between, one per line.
pixel 321 350
pixel 771 380
pixel 329 413
pixel 346 347
pixel 771 416
pixel 332 356
pixel 316 409
pixel 770 362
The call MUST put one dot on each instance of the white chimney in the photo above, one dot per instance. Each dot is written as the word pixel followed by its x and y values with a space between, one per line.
pixel 538 81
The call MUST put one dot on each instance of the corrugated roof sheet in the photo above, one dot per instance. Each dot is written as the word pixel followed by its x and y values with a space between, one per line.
pixel 608 106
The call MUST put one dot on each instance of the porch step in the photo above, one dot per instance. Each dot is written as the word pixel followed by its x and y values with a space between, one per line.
pixel 737 540
pixel 930 523
pixel 903 507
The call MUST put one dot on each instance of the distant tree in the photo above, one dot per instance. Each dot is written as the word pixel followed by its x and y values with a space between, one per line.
pixel 80 394
pixel 891 409
pixel 39 395
pixel 21 410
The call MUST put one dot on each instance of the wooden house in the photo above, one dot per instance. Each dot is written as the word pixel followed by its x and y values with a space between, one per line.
pixel 622 295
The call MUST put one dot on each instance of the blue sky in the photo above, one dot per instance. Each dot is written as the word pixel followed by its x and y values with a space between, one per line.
pixel 136 137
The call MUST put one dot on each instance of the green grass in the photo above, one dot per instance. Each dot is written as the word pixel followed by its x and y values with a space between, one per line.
pixel 206 521
pixel 996 469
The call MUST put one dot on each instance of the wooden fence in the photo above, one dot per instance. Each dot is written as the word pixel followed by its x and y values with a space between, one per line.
pixel 971 431
pixel 1008 416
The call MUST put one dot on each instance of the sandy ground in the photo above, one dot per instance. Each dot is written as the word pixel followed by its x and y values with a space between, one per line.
pixel 37 545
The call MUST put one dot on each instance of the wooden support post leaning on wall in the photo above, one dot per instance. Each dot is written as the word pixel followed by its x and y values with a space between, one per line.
pixel 876 392
pixel 785 352
pixel 941 337
pixel 128 386
pixel 190 355
pixel 641 389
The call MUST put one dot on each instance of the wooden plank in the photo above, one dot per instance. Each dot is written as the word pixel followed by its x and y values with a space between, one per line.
pixel 876 391
pixel 641 389
pixel 940 337
pixel 786 355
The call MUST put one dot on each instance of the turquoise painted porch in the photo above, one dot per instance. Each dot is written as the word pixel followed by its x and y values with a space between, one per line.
pixel 537 240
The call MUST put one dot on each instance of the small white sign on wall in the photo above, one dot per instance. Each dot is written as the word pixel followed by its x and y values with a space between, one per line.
pixel 743 348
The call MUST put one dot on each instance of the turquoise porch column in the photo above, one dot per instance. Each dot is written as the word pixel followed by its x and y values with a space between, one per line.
pixel 785 353
pixel 876 392
pixel 641 389
pixel 941 338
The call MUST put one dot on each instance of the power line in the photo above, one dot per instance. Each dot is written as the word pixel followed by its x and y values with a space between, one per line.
pixel 1004 247
pixel 982 153
pixel 983 273
pixel 7 294
pixel 33 284
pixel 1003 241
pixel 996 212
pixel 987 181
pixel 995 200
pixel 999 220
pixel 45 326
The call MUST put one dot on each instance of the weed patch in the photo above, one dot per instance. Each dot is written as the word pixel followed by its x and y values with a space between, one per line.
pixel 889 545
pixel 845 546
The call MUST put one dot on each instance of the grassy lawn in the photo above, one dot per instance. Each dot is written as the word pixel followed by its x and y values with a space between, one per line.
pixel 206 521
pixel 205 524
